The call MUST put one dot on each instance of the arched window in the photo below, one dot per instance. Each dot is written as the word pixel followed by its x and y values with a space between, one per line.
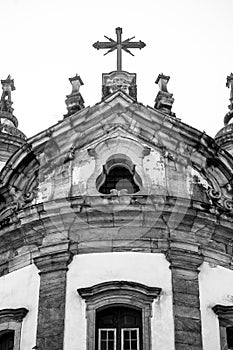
pixel 118 328
pixel 112 322
pixel 7 340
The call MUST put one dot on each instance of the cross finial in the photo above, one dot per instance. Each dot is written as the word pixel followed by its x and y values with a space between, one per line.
pixel 119 45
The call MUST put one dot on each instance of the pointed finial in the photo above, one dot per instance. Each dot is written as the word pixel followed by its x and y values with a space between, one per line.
pixel 8 122
pixel 229 84
pixel 164 99
pixel 6 102
pixel 76 83
pixel 74 101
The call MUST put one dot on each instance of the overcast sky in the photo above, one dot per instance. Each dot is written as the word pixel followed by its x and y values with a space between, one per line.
pixel 44 42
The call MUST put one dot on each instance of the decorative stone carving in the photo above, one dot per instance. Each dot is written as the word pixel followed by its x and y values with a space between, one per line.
pixel 116 80
pixel 214 194
pixel 164 99
pixel 5 102
pixel 229 84
pixel 70 155
pixel 74 101
pixel 8 122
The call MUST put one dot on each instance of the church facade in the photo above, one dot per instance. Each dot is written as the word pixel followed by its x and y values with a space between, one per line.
pixel 116 225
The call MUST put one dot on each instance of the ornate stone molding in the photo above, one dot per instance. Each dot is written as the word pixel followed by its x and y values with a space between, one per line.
pixel 102 289
pixel 116 80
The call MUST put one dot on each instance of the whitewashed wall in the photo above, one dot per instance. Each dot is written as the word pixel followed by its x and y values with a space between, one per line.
pixel 216 287
pixel 149 269
pixel 21 289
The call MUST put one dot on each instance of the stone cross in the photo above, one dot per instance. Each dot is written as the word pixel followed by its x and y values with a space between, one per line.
pixel 119 45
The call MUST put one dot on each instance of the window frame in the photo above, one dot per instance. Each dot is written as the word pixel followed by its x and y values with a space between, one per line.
pixel 122 293
pixel 127 329
pixel 107 329
pixel 11 320
pixel 225 317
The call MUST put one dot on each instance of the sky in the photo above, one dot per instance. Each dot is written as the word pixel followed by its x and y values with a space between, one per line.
pixel 45 42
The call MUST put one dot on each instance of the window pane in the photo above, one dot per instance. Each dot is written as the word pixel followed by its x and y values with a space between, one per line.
pixel 130 339
pixel 103 334
pixel 110 345
pixel 134 334
pixel 126 335
pixel 103 345
pixel 111 335
pixel 133 344
pixel 107 339
pixel 126 344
